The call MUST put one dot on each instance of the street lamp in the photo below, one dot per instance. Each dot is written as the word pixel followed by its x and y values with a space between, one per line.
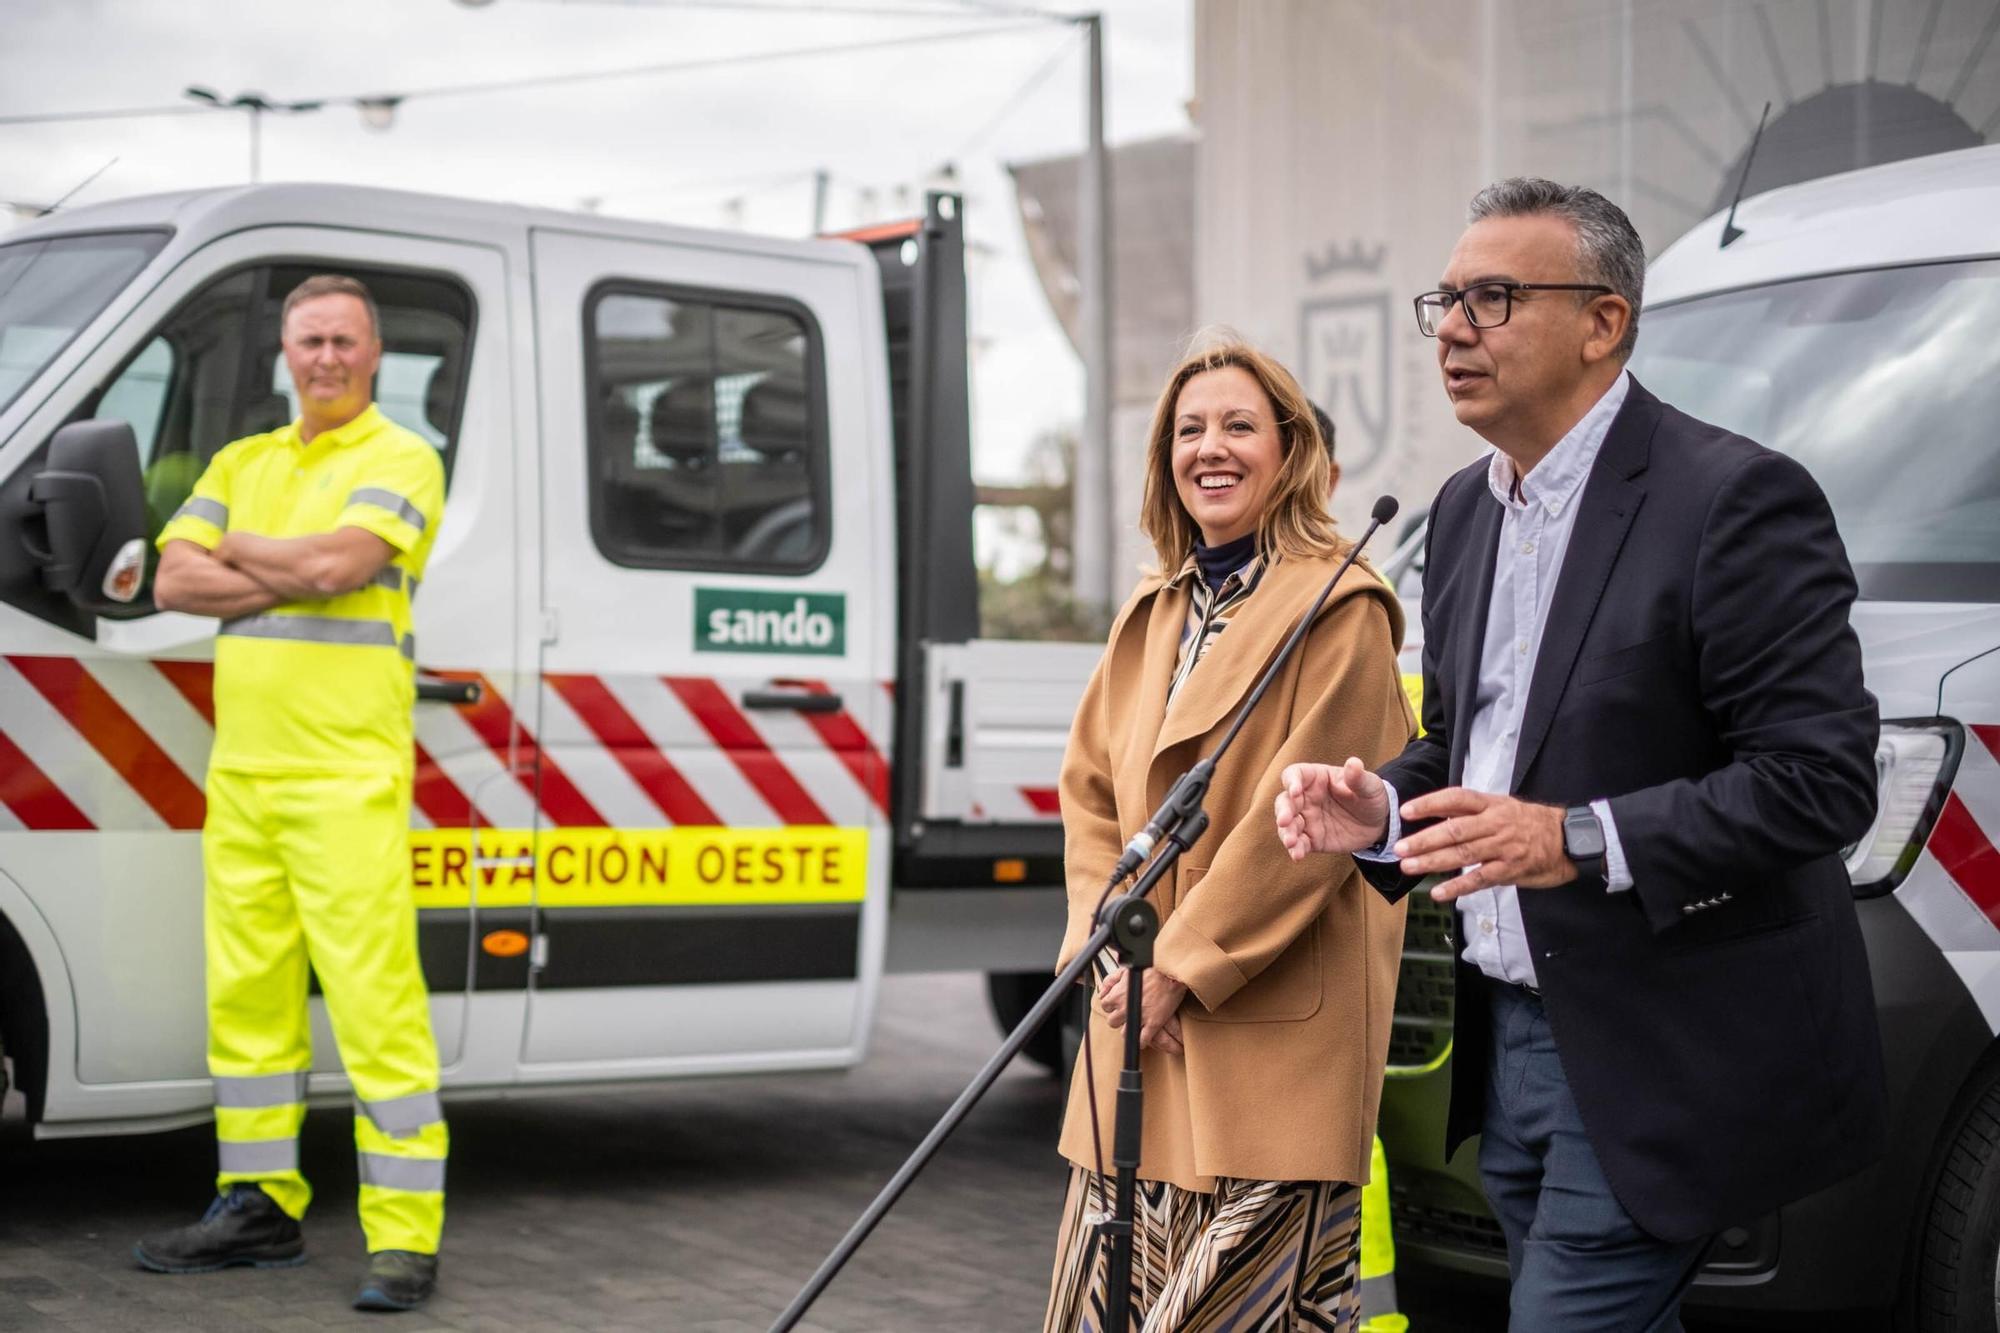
pixel 256 104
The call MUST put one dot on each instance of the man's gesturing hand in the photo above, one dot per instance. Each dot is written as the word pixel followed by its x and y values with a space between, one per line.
pixel 1321 808
pixel 1502 840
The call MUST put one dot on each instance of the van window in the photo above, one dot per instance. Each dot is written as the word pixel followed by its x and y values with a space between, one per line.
pixel 1885 384
pixel 706 433
pixel 50 289
pixel 213 372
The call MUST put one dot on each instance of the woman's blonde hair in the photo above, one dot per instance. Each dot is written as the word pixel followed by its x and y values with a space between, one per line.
pixel 1295 521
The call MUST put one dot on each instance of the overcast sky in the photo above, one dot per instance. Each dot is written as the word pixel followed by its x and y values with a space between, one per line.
pixel 716 147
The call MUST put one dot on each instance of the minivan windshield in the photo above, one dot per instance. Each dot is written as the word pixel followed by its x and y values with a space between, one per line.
pixel 1885 384
pixel 49 289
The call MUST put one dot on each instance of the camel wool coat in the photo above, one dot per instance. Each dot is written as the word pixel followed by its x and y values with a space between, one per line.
pixel 1291 968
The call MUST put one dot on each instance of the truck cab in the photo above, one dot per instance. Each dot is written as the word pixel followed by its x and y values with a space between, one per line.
pixel 702 707
pixel 1846 327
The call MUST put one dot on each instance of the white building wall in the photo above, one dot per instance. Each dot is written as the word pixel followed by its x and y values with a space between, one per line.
pixel 1341 140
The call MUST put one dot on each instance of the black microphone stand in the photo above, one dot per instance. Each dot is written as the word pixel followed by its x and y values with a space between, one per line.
pixel 1131 922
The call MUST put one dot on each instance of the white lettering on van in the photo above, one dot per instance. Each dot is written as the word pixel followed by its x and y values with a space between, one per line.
pixel 800 627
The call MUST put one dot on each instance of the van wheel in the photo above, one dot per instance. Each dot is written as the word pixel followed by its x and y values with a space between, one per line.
pixel 1958 1268
pixel 1012 995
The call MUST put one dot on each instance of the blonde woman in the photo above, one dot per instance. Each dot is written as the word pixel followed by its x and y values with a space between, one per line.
pixel 1266 1016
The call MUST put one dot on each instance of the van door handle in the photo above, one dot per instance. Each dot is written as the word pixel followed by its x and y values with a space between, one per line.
pixel 799 701
pixel 438 690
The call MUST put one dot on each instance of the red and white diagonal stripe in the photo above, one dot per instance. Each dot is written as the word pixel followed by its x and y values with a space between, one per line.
pixel 120 743
pixel 1961 842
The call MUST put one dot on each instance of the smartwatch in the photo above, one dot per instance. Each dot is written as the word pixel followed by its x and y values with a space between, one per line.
pixel 1583 841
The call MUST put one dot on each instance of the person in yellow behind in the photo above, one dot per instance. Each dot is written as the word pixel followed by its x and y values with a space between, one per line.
pixel 307 543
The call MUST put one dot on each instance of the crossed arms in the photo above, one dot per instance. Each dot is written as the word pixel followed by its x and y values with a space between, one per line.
pixel 246 574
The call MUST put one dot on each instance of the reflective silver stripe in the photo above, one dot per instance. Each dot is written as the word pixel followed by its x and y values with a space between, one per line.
pixel 1378 1295
pixel 403 1117
pixel 260 1090
pixel 388 577
pixel 389 500
pixel 313 629
pixel 411 580
pixel 408 646
pixel 257 1156
pixel 207 510
pixel 415 1174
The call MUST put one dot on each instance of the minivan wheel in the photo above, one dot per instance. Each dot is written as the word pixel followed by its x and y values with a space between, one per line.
pixel 1011 995
pixel 1958 1266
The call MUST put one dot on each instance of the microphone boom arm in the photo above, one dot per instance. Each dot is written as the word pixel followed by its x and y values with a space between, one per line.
pixel 1132 922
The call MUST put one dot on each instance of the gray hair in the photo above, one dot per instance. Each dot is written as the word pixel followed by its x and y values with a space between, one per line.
pixel 1608 248
pixel 332 284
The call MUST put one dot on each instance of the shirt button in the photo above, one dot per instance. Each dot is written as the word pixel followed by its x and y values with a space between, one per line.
pixel 1486 925
pixel 1521 647
pixel 1527 548
pixel 1555 507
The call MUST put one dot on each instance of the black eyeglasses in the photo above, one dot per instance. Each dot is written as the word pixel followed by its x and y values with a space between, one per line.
pixel 1488 305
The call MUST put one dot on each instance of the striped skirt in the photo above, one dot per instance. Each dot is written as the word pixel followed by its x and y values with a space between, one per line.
pixel 1263 1255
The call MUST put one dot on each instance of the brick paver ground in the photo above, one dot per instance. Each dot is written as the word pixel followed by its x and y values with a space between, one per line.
pixel 698 1206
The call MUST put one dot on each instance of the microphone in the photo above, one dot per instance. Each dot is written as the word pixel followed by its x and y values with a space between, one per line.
pixel 1185 799
pixel 1180 821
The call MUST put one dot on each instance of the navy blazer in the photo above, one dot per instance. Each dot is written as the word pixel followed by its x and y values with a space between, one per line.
pixel 1716 1021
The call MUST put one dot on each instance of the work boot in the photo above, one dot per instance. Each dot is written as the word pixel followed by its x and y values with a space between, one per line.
pixel 244 1226
pixel 397 1280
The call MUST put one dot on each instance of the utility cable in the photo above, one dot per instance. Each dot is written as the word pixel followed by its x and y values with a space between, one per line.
pixel 1015 100
pixel 559 80
pixel 692 66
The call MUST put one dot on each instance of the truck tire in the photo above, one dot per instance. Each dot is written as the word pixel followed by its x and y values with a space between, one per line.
pixel 1958 1267
pixel 1012 995
pixel 24 1024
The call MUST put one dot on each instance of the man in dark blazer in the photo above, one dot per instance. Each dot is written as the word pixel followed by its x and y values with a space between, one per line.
pixel 1646 740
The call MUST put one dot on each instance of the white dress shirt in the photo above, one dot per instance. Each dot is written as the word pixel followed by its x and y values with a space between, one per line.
pixel 1537 513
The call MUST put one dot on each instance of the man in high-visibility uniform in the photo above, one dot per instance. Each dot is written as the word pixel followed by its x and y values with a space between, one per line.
pixel 308 543
pixel 1378 1254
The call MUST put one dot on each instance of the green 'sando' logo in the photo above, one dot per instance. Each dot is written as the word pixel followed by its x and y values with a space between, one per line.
pixel 736 620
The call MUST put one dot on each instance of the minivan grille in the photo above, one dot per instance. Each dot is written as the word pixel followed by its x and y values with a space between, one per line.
pixel 1421 1029
pixel 1418 1223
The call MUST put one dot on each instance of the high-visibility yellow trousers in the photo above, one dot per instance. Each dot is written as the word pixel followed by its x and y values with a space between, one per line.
pixel 309 869
pixel 1378 1252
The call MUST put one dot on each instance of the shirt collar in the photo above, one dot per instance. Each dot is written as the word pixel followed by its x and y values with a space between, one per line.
pixel 1562 470
pixel 353 432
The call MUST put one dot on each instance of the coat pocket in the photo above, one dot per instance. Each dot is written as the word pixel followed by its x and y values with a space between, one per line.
pixel 1288 990
pixel 1654 652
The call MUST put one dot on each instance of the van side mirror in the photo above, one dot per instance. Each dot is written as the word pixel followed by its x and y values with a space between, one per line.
pixel 92 502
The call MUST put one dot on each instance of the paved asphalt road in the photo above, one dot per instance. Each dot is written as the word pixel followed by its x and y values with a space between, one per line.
pixel 694 1206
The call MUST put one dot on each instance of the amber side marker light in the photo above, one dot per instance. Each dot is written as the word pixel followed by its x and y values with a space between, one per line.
pixel 505 943
pixel 1010 871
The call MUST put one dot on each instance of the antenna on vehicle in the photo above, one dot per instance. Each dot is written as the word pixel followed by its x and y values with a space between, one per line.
pixel 1730 231
pixel 78 187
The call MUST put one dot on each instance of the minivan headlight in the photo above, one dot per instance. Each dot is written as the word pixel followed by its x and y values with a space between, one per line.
pixel 1915 762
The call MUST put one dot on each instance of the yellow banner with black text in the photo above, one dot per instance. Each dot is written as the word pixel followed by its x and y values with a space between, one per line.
pixel 691 866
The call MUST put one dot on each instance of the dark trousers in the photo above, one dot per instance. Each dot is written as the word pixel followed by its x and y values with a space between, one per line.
pixel 1579 1263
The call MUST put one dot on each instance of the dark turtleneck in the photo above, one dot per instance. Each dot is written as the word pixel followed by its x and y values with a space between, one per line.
pixel 1217 563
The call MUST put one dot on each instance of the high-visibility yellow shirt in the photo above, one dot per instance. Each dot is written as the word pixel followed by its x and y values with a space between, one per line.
pixel 320 686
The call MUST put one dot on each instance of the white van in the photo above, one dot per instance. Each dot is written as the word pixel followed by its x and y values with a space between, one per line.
pixel 1855 325
pixel 706 738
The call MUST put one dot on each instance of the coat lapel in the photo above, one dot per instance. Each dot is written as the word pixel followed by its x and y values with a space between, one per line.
pixel 1611 499
pixel 1483 543
pixel 1150 677
pixel 1221 680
